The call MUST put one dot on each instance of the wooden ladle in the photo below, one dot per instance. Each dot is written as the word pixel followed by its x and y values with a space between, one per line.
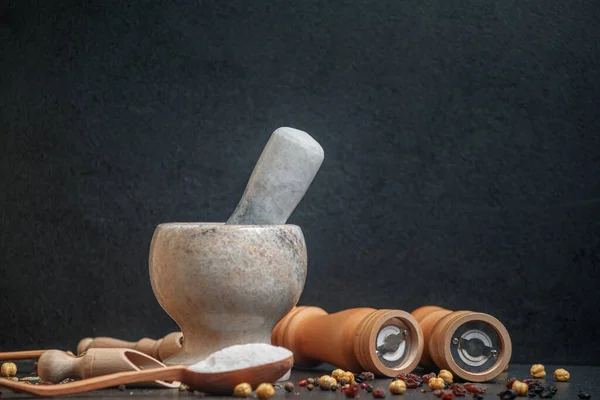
pixel 210 382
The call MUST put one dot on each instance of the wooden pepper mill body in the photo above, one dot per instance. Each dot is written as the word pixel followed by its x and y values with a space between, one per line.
pixel 55 365
pixel 160 349
pixel 450 337
pixel 349 339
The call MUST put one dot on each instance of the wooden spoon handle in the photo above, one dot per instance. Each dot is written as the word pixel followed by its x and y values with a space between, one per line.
pixel 100 382
pixel 22 355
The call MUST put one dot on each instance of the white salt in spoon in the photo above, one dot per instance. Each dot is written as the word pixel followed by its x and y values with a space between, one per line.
pixel 218 381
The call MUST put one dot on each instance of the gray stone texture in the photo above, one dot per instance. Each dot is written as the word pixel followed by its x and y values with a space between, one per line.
pixel 226 284
pixel 283 173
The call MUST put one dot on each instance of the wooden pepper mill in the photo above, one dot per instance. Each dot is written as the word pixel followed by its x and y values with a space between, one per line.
pixel 473 346
pixel 385 342
pixel 160 349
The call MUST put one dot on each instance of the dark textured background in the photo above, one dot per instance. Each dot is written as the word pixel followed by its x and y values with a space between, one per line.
pixel 462 155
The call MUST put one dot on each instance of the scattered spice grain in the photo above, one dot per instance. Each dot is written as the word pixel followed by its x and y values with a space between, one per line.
pixel 562 375
pixel 8 369
pixel 242 390
pixel 289 387
pixel 537 371
pixel 397 387
pixel 265 391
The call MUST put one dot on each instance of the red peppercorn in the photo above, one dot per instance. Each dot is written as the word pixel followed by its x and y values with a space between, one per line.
pixel 351 391
pixel 416 378
pixel 458 389
pixel 475 388
pixel 363 385
pixel 402 377
pixel 378 393
pixel 427 377
pixel 447 395
pixel 367 376
pixel 411 383
pixel 303 382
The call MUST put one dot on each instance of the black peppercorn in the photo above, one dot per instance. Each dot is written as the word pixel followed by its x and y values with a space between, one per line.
pixel 369 388
pixel 477 396
pixel 507 394
pixel 122 388
pixel 334 388
pixel 546 394
pixel 584 395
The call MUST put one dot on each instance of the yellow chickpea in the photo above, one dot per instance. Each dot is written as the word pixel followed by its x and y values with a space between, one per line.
pixel 349 377
pixel 326 382
pixel 520 387
pixel 265 391
pixel 397 387
pixel 9 369
pixel 242 390
pixel 338 374
pixel 436 383
pixel 562 375
pixel 537 371
pixel 446 375
pixel 327 378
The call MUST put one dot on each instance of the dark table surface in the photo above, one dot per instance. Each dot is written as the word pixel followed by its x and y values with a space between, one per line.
pixel 583 378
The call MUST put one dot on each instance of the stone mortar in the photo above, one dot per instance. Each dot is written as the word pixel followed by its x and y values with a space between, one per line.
pixel 226 284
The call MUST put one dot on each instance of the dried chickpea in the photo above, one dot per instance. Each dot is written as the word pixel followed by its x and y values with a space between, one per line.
pixel 338 374
pixel 520 387
pixel 327 378
pixel 8 369
pixel 349 376
pixel 265 391
pixel 326 382
pixel 397 387
pixel 242 390
pixel 562 375
pixel 537 371
pixel 446 375
pixel 436 383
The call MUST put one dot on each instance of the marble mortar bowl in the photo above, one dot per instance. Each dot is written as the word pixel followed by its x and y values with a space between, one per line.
pixel 225 284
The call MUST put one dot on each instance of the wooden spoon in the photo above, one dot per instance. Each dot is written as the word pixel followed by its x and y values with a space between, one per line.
pixel 210 382
pixel 22 355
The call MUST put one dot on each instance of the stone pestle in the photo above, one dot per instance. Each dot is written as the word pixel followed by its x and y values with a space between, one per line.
pixel 281 177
